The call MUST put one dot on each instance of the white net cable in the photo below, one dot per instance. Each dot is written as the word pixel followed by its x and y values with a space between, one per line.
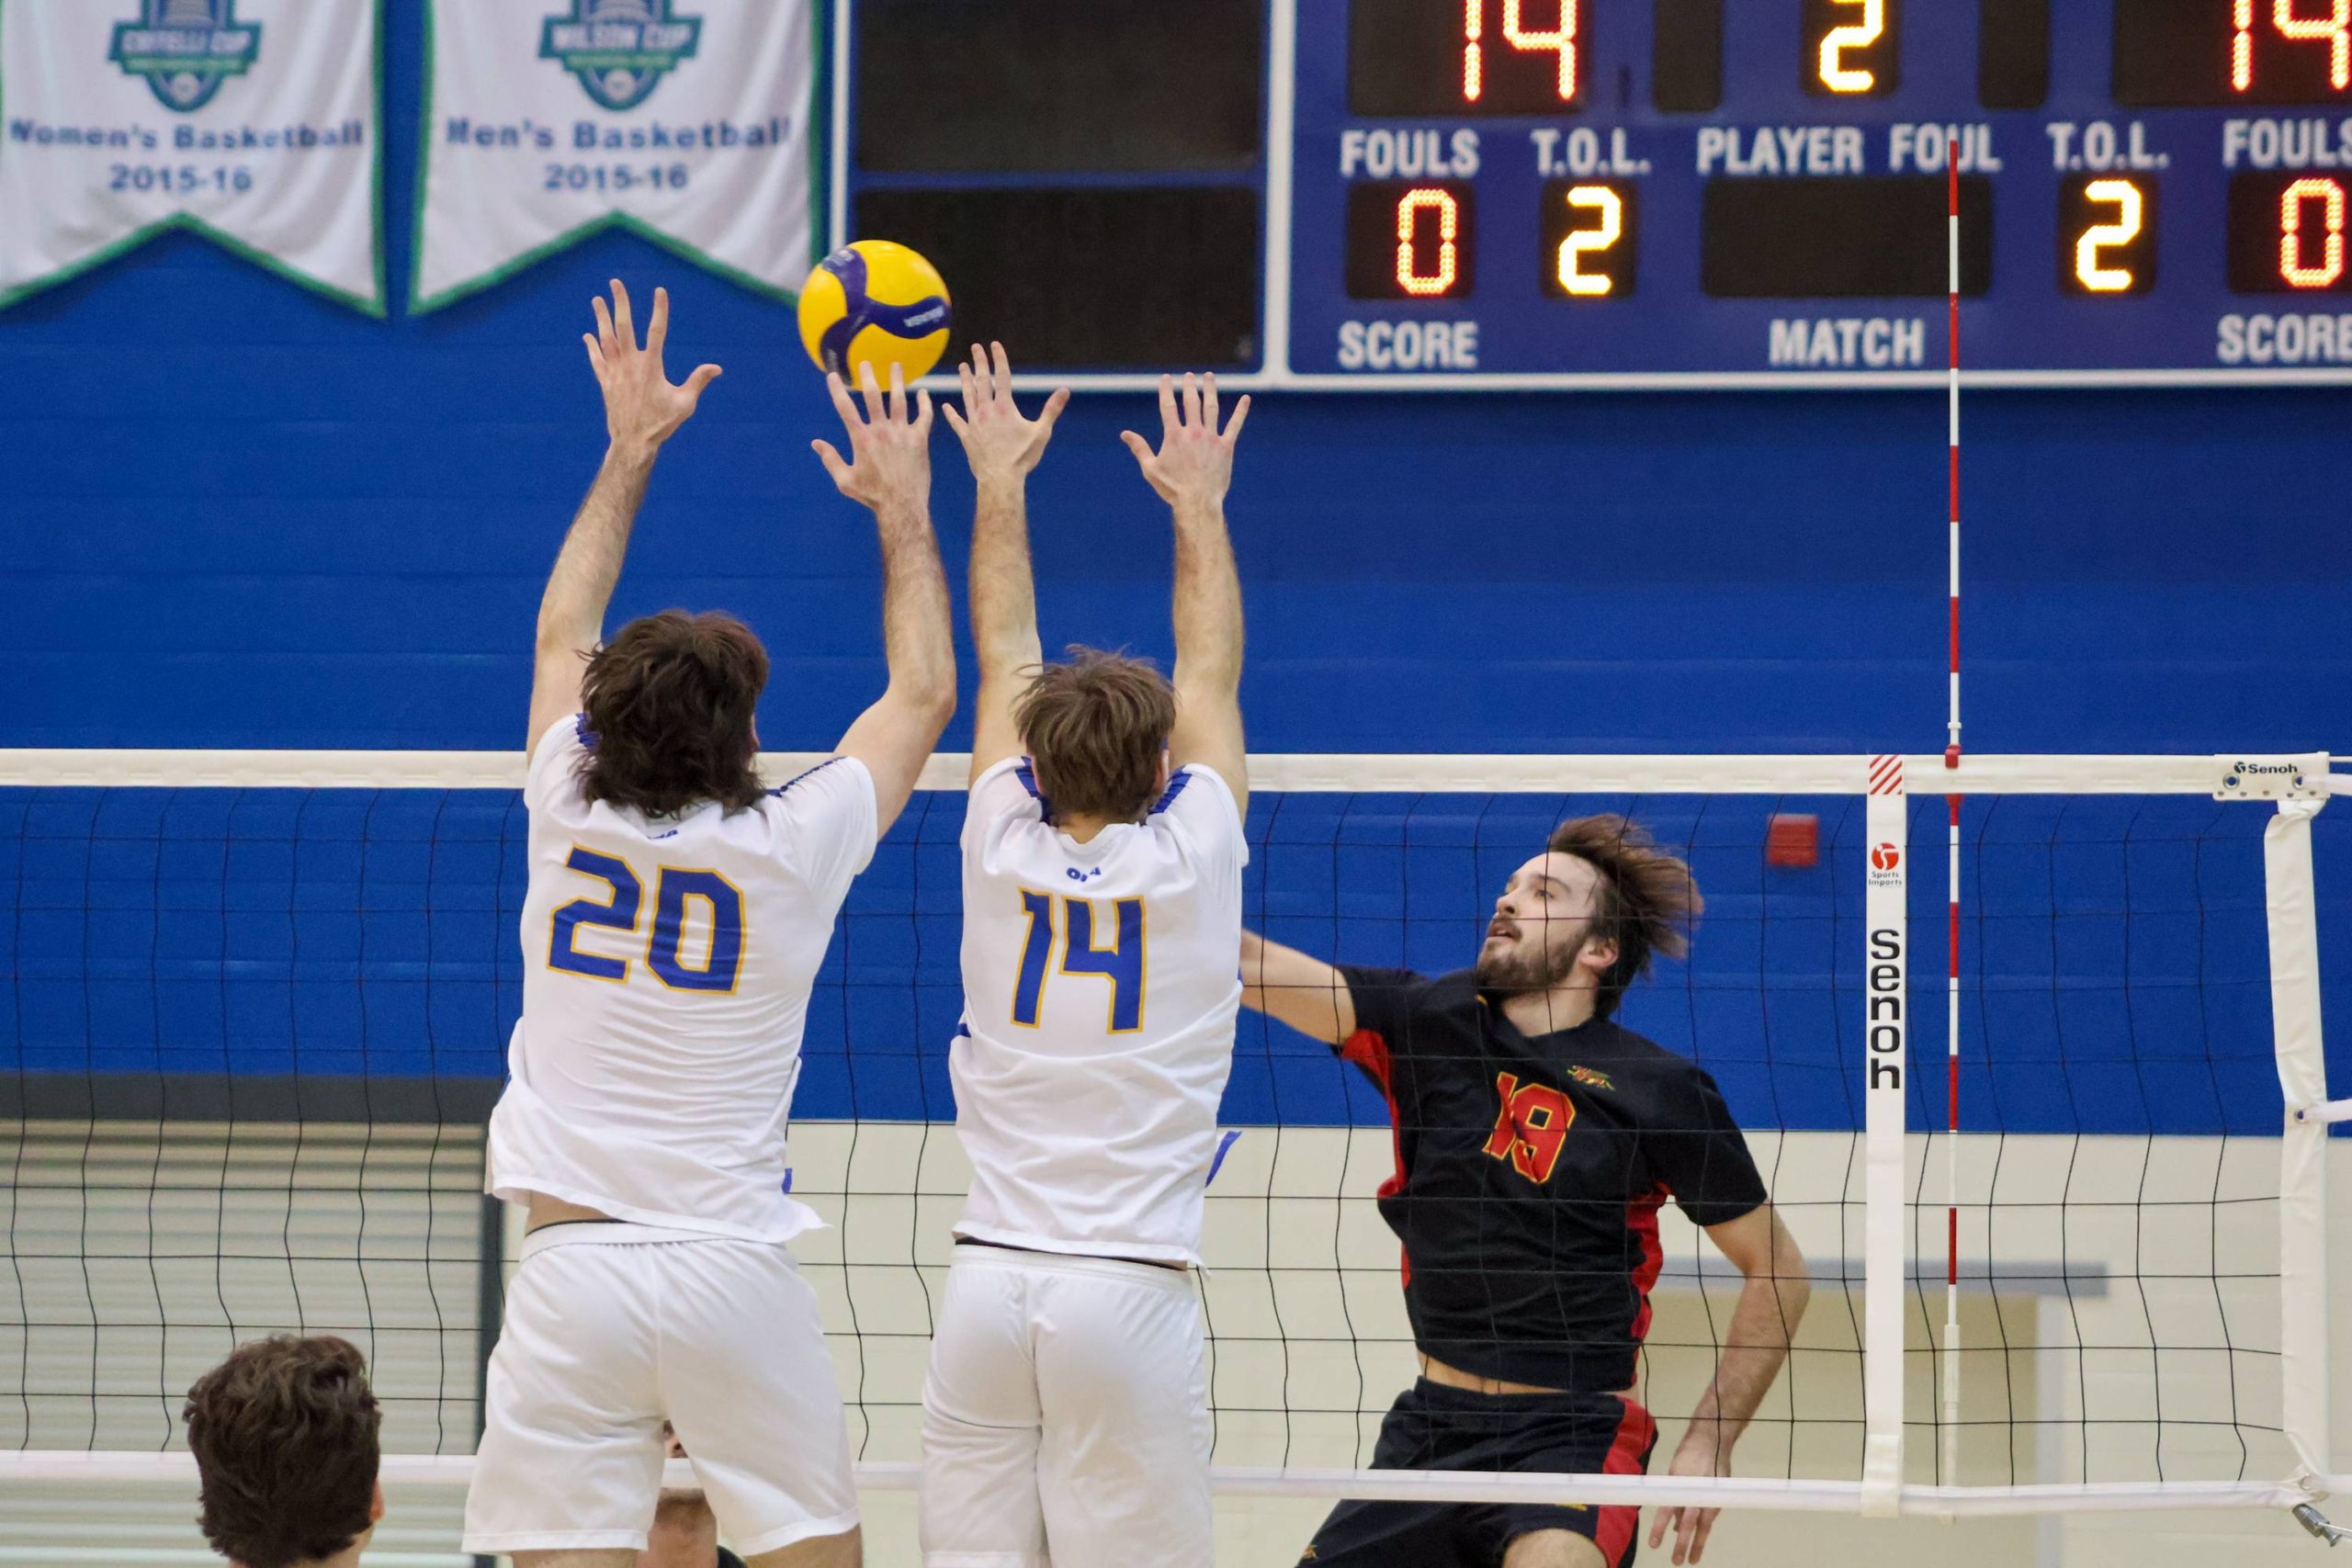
pixel 256 1002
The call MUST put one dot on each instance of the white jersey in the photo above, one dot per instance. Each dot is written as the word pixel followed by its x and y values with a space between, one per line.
pixel 1101 982
pixel 666 963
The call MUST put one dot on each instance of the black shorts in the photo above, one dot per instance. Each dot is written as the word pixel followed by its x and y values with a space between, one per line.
pixel 1433 1426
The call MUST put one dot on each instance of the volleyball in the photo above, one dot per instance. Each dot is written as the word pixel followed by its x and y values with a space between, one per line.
pixel 879 303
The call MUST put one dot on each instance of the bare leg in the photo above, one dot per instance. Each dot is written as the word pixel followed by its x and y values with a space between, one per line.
pixel 593 1557
pixel 684 1532
pixel 1543 1549
pixel 846 1550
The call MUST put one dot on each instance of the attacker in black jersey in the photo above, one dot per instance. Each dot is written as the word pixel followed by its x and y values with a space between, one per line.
pixel 1536 1141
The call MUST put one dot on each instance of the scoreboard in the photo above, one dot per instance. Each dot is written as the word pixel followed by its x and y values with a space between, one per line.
pixel 1490 194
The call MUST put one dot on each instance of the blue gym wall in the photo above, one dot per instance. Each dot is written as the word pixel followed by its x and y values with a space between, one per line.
pixel 233 514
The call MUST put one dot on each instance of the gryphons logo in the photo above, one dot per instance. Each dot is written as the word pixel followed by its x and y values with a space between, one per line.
pixel 620 49
pixel 185 49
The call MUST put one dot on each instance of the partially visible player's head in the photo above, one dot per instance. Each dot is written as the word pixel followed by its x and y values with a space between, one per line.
pixel 1096 727
pixel 285 1438
pixel 1588 912
pixel 671 700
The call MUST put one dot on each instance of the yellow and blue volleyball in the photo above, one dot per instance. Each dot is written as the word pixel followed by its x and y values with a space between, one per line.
pixel 879 303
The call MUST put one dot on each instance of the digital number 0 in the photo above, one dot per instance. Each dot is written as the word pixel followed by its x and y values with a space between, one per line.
pixel 1834 73
pixel 1409 276
pixel 1612 209
pixel 2291 266
pixel 2336 28
pixel 2094 274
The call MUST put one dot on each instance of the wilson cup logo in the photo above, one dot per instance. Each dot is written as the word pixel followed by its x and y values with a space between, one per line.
pixel 185 49
pixel 620 49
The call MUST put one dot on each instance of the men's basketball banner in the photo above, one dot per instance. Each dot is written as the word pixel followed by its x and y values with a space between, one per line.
pixel 253 122
pixel 685 120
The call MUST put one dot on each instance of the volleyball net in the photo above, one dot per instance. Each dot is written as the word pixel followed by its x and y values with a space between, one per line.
pixel 256 1007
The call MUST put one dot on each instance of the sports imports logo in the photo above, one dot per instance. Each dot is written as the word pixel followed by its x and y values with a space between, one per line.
pixel 620 49
pixel 1885 857
pixel 185 49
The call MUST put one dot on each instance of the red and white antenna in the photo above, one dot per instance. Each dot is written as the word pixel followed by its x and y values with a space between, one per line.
pixel 1951 1455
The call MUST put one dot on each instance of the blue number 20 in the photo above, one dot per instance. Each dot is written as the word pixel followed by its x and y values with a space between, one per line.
pixel 1122 964
pixel 675 886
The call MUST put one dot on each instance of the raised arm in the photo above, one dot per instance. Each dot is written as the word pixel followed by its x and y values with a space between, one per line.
pixel 1001 447
pixel 1772 1302
pixel 888 471
pixel 1192 472
pixel 1305 993
pixel 642 410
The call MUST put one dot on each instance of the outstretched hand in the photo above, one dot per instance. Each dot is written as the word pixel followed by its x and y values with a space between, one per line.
pixel 1194 463
pixel 998 442
pixel 889 446
pixel 642 410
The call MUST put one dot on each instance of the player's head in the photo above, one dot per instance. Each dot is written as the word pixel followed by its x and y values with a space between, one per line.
pixel 1096 728
pixel 285 1438
pixel 1588 912
pixel 671 700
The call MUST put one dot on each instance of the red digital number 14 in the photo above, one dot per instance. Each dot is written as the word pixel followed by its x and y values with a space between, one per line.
pixel 1561 40
pixel 2287 16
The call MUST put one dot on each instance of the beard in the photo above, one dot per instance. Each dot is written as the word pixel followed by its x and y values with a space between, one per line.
pixel 1528 969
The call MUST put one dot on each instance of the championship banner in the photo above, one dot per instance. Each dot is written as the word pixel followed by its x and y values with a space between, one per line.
pixel 687 121
pixel 253 122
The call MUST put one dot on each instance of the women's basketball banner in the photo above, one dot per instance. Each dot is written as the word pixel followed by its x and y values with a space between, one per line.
pixel 253 122
pixel 685 120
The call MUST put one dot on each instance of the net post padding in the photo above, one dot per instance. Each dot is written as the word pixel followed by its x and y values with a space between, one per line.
pixel 2290 904
pixel 1886 924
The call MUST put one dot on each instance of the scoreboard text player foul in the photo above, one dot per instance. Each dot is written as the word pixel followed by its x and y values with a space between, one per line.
pixel 1694 192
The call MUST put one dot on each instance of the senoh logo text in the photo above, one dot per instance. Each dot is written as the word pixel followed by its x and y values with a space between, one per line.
pixel 1886 1009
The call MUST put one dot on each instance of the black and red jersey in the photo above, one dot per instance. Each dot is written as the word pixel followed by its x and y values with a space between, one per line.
pixel 1528 1176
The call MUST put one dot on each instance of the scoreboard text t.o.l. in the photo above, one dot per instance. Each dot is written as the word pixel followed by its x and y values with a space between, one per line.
pixel 1494 193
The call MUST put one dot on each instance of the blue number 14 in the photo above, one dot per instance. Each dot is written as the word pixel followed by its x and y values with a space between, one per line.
pixel 1122 963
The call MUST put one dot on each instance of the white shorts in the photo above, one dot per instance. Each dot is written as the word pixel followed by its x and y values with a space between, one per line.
pixel 1065 1419
pixel 611 1329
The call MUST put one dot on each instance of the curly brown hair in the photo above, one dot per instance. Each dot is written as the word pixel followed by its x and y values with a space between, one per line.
pixel 1649 899
pixel 669 702
pixel 1094 727
pixel 285 1434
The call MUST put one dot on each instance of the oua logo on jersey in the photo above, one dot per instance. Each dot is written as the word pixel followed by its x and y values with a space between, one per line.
pixel 185 49
pixel 619 48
